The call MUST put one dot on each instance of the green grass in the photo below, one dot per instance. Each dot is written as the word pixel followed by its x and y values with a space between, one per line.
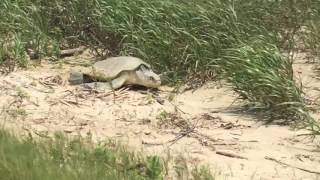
pixel 260 74
pixel 62 159
pixel 312 39
pixel 77 159
pixel 311 33
pixel 182 39
pixel 179 38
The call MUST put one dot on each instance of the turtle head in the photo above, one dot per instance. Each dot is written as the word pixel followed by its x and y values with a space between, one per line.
pixel 146 77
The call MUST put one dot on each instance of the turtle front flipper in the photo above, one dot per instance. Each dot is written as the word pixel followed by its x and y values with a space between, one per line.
pixel 118 82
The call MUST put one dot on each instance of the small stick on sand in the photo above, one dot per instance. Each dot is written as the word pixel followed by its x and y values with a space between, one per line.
pixel 103 95
pixel 232 155
pixel 152 143
pixel 225 144
pixel 292 166
pixel 181 135
pixel 177 108
pixel 64 102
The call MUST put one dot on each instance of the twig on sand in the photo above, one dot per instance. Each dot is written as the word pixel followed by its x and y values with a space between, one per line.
pixel 182 134
pixel 64 102
pixel 229 154
pixel 177 108
pixel 172 141
pixel 152 143
pixel 51 81
pixel 103 95
pixel 224 144
pixel 305 134
pixel 292 166
pixel 200 135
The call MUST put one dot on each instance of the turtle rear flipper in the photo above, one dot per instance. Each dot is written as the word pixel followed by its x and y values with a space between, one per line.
pixel 77 77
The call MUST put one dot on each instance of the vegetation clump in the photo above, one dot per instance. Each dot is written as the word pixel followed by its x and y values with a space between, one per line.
pixel 70 159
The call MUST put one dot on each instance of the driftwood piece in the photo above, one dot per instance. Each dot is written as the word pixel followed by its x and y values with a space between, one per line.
pixel 231 155
pixel 71 52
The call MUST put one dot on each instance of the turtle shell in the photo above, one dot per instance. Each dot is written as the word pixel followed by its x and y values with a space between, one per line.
pixel 110 68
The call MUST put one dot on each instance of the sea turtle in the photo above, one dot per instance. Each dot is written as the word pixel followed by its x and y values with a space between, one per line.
pixel 113 73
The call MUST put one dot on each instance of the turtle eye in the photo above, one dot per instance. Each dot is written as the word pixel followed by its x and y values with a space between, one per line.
pixel 151 78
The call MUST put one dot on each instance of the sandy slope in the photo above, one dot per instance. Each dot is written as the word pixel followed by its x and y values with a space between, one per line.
pixel 40 101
